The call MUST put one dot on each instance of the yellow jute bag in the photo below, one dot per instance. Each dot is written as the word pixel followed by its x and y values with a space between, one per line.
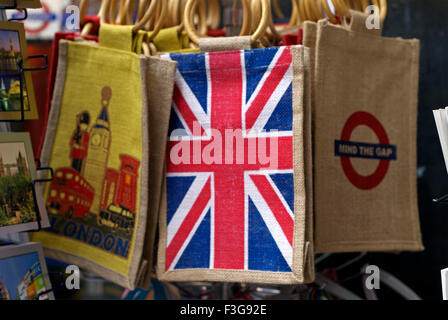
pixel 98 142
pixel 173 41
pixel 167 40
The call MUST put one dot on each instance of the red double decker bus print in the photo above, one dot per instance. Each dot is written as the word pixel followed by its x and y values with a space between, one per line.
pixel 70 194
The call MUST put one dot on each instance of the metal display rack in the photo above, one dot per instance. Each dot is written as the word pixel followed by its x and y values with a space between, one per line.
pixel 5 125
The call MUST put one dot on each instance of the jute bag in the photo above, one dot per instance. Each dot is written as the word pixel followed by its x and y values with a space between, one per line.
pixel 308 152
pixel 160 83
pixel 58 36
pixel 97 140
pixel 167 40
pixel 94 21
pixel 226 214
pixel 365 123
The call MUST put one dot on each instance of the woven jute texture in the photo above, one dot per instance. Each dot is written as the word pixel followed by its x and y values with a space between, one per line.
pixel 365 125
pixel 98 142
pixel 195 254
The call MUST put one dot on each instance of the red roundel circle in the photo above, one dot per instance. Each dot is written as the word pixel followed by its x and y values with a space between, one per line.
pixel 44 25
pixel 373 180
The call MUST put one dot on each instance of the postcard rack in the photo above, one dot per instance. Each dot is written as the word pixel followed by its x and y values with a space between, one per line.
pixel 60 284
pixel 33 184
pixel 21 75
pixel 441 200
pixel 21 68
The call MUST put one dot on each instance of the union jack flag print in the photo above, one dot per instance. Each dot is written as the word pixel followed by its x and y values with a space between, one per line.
pixel 238 213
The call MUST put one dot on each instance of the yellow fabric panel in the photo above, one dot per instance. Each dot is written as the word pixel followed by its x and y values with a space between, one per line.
pixel 167 40
pixel 138 41
pixel 89 70
pixel 116 37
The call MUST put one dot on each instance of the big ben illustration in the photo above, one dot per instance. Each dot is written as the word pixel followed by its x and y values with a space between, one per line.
pixel 98 154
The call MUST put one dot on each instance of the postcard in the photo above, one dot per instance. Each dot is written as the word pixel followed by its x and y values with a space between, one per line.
pixel 21 3
pixel 16 88
pixel 17 171
pixel 23 273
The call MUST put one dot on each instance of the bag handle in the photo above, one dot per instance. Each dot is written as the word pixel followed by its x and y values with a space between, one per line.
pixel 213 14
pixel 89 25
pixel 259 32
pixel 108 5
pixel 82 10
pixel 383 8
pixel 116 37
pixel 361 5
pixel 302 10
pixel 358 23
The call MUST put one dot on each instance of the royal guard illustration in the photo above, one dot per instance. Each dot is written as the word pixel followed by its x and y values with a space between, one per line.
pixel 80 142
pixel 89 187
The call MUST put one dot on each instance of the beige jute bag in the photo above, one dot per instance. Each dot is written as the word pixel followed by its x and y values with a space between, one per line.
pixel 238 221
pixel 365 123
pixel 308 154
pixel 160 83
pixel 98 140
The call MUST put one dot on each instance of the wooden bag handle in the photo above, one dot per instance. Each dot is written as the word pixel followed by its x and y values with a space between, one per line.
pixel 259 32
pixel 361 5
pixel 328 11
pixel 213 14
pixel 383 8
pixel 82 10
pixel 306 10
pixel 176 9
pixel 341 8
pixel 295 18
pixel 142 5
pixel 272 33
pixel 278 11
pixel 82 14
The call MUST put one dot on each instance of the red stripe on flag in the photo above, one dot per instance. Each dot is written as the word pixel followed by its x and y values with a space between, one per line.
pixel 188 224
pixel 275 204
pixel 185 110
pixel 273 80
pixel 227 91
pixel 285 153
pixel 229 220
pixel 227 97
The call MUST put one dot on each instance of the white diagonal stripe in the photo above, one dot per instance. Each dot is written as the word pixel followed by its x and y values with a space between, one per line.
pixel 280 196
pixel 264 78
pixel 185 206
pixel 192 101
pixel 190 235
pixel 270 221
pixel 273 101
pixel 179 115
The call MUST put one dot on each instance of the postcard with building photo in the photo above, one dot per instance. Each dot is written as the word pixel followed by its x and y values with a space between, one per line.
pixel 17 171
pixel 23 273
pixel 16 88
pixel 21 3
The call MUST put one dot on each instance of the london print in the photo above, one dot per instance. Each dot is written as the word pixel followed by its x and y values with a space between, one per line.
pixel 88 200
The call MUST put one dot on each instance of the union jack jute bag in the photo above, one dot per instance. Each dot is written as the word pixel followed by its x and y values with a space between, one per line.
pixel 97 140
pixel 233 206
pixel 365 124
